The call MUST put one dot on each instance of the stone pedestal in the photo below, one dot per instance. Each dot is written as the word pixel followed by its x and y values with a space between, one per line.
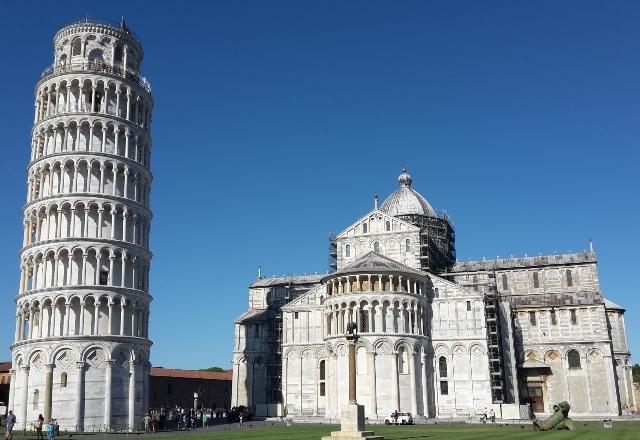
pixel 352 425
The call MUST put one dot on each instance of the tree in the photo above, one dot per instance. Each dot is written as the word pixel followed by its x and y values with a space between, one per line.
pixel 636 373
pixel 214 369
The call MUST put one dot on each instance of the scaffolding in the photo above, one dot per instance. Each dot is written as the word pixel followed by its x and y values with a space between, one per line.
pixel 437 241
pixel 494 346
pixel 333 253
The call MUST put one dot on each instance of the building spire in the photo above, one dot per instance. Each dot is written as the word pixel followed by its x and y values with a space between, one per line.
pixel 375 201
pixel 590 245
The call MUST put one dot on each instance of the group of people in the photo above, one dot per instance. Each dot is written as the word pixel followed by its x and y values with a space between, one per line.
pixel 52 427
pixel 491 416
pixel 179 418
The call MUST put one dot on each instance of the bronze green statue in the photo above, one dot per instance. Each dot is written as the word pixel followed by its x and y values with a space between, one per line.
pixel 558 420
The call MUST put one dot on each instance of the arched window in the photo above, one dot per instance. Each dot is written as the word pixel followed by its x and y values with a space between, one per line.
pixel 536 280
pixel 376 246
pixel 468 306
pixel 407 245
pixel 403 365
pixel 573 358
pixel 475 283
pixel 347 251
pixel 96 56
pixel 364 320
pixel 442 366
pixel 569 278
pixel 388 226
pixel 574 316
pixel 505 283
pixel 118 54
pixel 76 47
pixel 36 398
pixel 364 228
pixel 63 380
pixel 436 292
pixel 322 378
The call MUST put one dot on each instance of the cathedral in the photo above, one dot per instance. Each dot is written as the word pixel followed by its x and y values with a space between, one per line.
pixel 438 338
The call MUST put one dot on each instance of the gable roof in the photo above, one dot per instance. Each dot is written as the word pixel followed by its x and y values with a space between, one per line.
pixel 610 305
pixel 303 300
pixel 293 279
pixel 407 225
pixel 373 262
pixel 191 374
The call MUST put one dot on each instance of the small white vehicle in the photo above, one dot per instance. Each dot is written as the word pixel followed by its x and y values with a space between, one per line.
pixel 403 419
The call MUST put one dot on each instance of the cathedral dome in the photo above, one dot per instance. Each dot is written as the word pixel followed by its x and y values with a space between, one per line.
pixel 406 201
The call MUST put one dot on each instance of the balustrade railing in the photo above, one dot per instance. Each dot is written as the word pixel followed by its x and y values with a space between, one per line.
pixel 99 67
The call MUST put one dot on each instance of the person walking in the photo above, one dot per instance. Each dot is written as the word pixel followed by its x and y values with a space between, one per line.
pixel 51 430
pixel 492 416
pixel 147 420
pixel 11 422
pixel 38 424
pixel 241 418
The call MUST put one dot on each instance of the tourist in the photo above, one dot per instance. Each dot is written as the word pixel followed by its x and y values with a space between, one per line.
pixel 147 421
pixel 51 430
pixel 492 416
pixel 38 425
pixel 395 417
pixel 483 418
pixel 11 422
pixel 633 410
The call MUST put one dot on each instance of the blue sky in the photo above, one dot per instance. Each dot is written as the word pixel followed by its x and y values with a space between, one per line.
pixel 276 122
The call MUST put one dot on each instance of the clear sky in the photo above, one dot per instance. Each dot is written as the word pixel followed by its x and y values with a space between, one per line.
pixel 276 122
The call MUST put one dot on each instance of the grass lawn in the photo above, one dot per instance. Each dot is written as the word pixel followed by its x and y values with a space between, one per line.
pixel 622 430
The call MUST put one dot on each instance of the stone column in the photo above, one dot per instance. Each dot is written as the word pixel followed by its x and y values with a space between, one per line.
pixel 425 388
pixel 413 391
pixel 395 392
pixel 352 372
pixel 132 397
pixel 48 391
pixel 12 389
pixel 372 379
pixel 67 317
pixel 122 313
pixel 249 380
pixel 107 393
pixel 79 397
pixel 18 321
pixel 25 397
pixel 110 324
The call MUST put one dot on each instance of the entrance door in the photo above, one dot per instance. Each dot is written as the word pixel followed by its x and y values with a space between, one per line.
pixel 536 399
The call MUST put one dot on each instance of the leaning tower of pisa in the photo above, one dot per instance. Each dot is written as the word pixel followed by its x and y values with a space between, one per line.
pixel 81 351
